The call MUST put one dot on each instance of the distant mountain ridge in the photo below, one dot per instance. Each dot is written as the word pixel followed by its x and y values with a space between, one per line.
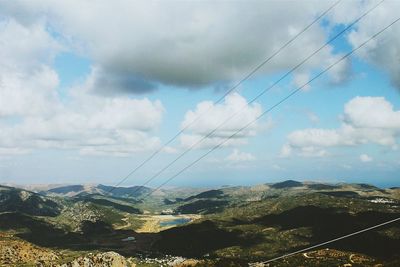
pixel 67 189
pixel 84 190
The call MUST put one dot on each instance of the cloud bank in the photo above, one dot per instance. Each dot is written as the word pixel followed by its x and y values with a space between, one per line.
pixel 34 116
pixel 137 45
pixel 365 120
pixel 134 47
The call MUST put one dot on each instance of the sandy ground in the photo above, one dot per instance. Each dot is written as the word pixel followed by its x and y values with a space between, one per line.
pixel 125 226
pixel 152 222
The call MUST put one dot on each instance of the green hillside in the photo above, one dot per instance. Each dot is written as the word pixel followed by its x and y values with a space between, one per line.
pixel 230 226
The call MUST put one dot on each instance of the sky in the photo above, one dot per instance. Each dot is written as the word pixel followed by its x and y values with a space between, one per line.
pixel 90 89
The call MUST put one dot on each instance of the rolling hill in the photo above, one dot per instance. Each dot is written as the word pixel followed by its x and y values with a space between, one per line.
pixel 229 226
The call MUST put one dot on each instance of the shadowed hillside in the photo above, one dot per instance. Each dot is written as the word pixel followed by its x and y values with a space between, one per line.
pixel 230 226
pixel 17 200
pixel 287 184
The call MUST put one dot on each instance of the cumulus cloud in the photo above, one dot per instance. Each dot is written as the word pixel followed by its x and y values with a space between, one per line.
pixel 300 79
pixel 306 151
pixel 365 120
pixel 384 51
pixel 106 127
pixel 27 83
pixel 371 112
pixel 33 116
pixel 25 47
pixel 137 45
pixel 238 156
pixel 365 158
pixel 209 116
pixel 91 124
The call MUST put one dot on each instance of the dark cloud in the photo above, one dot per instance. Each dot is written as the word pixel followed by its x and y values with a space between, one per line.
pixel 108 83
pixel 140 44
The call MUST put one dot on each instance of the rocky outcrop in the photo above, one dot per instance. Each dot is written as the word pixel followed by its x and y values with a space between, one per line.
pixel 18 252
pixel 106 259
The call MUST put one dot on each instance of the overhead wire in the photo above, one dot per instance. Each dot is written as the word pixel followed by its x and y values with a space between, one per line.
pixel 324 243
pixel 236 85
pixel 271 108
pixel 209 134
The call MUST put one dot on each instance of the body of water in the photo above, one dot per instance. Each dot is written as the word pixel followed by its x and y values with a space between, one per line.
pixel 177 221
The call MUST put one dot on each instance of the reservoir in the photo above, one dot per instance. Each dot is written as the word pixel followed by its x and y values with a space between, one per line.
pixel 174 222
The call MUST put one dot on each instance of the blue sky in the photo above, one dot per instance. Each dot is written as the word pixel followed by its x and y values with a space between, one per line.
pixel 86 100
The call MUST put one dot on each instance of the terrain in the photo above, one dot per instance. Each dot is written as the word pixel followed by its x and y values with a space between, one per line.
pixel 230 226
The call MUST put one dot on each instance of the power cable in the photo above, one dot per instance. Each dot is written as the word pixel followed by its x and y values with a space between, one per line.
pixel 324 243
pixel 271 108
pixel 255 98
pixel 223 97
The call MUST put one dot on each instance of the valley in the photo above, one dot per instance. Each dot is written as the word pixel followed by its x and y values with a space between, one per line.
pixel 157 223
pixel 229 226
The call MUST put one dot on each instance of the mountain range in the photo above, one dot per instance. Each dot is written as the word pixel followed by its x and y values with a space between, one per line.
pixel 227 226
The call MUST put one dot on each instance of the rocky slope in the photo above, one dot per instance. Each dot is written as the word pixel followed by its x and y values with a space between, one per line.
pixel 16 252
pixel 106 259
pixel 18 200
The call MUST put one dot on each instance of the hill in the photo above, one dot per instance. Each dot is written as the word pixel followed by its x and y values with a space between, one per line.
pixel 22 201
pixel 286 184
pixel 127 192
pixel 229 226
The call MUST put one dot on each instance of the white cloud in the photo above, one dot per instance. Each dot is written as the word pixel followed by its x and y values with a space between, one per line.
pixel 134 51
pixel 371 112
pixel 384 51
pixel 365 120
pixel 26 94
pixel 111 126
pixel 136 45
pixel 237 156
pixel 300 79
pixel 25 47
pixel 27 83
pixel 365 158
pixel 33 116
pixel 209 116
pixel 306 151
pixel 170 150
